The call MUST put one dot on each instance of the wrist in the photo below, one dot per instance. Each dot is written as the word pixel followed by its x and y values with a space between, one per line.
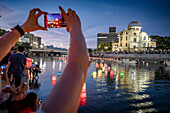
pixel 24 28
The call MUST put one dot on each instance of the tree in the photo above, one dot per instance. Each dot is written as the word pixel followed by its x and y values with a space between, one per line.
pixel 27 46
pixel 161 42
pixel 104 46
pixel 90 50
pixel 18 43
pixel 2 32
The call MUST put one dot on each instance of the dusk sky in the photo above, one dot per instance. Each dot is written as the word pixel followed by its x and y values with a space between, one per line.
pixel 96 17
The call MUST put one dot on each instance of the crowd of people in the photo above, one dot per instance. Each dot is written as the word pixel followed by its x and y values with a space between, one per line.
pixel 13 96
pixel 100 53
pixel 64 98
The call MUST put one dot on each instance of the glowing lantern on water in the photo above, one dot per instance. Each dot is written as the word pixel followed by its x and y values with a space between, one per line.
pixel 111 73
pixel 112 68
pixel 82 99
pixel 59 73
pixel 94 74
pixel 108 68
pixel 101 65
pixel 106 73
pixel 99 73
pixel 103 69
pixel 121 74
pixel 29 62
pixel 97 65
pixel 146 64
pixel 105 65
pixel 54 80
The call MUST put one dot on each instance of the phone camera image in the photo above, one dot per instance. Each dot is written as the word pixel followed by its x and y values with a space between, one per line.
pixel 54 21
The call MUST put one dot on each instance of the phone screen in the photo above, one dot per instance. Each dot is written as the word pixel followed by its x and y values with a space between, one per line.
pixel 54 21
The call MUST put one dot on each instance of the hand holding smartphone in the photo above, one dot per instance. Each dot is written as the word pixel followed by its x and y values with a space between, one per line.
pixel 54 20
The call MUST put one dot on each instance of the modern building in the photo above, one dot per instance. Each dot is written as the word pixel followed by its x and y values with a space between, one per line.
pixel 34 41
pixel 111 37
pixel 133 39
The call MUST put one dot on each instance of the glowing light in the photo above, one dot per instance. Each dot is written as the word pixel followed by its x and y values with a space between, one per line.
pixel 54 80
pixel 106 73
pixel 82 99
pixel 111 73
pixel 101 65
pixel 94 74
pixel 108 68
pixel 121 74
pixel 99 73
pixel 29 62
pixel 97 65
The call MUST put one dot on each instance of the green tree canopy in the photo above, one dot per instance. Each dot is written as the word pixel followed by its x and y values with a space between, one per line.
pixel 104 46
pixel 161 42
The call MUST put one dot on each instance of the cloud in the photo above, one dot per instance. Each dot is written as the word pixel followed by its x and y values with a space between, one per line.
pixel 4 10
pixel 56 37
pixel 10 18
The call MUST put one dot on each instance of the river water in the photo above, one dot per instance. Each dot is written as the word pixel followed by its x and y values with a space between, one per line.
pixel 112 87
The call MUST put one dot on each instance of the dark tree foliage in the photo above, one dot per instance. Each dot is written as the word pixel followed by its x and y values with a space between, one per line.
pixel 2 32
pixel 161 42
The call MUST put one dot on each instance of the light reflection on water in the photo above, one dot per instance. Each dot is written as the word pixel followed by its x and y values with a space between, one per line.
pixel 125 88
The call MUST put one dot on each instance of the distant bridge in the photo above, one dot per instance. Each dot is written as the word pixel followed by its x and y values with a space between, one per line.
pixel 47 52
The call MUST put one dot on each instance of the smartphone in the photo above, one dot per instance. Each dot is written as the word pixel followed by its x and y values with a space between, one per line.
pixel 40 101
pixel 54 20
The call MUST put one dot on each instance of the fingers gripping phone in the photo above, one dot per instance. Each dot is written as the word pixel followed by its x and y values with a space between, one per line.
pixel 54 20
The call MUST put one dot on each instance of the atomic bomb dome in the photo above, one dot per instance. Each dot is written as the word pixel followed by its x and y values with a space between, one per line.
pixel 133 39
pixel 134 23
pixel 135 26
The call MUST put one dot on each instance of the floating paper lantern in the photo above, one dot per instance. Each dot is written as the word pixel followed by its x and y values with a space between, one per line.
pixel 94 74
pixel 121 74
pixel 111 73
pixel 106 73
pixel 29 62
pixel 99 73
pixel 82 99
pixel 101 65
pixel 59 73
pixel 146 64
pixel 103 69
pixel 54 80
pixel 108 68
pixel 97 65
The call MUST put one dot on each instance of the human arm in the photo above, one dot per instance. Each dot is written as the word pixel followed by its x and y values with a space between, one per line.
pixel 14 91
pixel 10 38
pixel 64 98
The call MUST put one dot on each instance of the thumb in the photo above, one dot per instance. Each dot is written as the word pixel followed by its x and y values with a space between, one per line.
pixel 43 28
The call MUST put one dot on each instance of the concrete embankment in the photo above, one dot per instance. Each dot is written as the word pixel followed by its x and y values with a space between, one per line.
pixel 151 57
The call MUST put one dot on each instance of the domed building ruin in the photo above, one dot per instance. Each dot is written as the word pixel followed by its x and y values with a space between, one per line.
pixel 133 39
